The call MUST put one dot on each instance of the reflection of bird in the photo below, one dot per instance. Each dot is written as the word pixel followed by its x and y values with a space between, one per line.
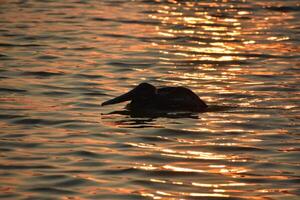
pixel 146 97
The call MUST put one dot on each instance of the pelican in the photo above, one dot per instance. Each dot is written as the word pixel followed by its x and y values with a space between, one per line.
pixel 146 97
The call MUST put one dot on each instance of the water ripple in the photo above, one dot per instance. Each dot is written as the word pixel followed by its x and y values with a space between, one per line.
pixel 61 59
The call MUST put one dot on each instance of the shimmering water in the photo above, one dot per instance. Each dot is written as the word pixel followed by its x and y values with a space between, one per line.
pixel 60 59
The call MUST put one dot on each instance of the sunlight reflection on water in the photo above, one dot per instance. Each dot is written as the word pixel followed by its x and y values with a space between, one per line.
pixel 60 60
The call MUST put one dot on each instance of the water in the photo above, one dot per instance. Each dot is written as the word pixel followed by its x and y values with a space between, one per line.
pixel 61 59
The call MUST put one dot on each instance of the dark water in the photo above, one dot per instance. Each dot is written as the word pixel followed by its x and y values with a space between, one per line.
pixel 60 59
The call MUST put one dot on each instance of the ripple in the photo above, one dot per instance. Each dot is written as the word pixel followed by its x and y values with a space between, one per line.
pixel 126 21
pixel 42 74
pixel 5 57
pixel 71 183
pixel 10 116
pixel 19 45
pixel 127 64
pixel 47 57
pixel 52 190
pixel 56 93
pixel 88 76
pixel 61 59
pixel 19 144
pixel 85 154
pixel 35 121
pixel 24 167
pixel 12 90
pixel 121 171
pixel 94 94
pixel 9 195
pixel 236 148
pixel 284 8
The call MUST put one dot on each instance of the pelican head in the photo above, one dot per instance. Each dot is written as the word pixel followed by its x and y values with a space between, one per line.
pixel 140 93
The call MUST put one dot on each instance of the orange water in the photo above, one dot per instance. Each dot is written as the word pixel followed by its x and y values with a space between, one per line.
pixel 60 59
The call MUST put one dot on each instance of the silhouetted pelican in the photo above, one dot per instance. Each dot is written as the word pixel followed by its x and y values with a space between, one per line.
pixel 146 97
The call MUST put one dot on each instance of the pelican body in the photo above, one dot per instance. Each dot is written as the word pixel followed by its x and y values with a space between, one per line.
pixel 146 97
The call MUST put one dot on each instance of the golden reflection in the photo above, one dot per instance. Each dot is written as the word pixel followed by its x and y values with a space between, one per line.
pixel 232 171
pixel 89 177
pixel 181 169
pixel 157 180
pixel 197 41
pixel 206 49
pixel 174 195
pixel 202 25
pixel 219 185
pixel 143 166
pixel 184 154
pixel 208 195
pixel 163 193
pixel 216 189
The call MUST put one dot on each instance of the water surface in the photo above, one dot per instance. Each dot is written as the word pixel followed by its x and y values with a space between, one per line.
pixel 60 59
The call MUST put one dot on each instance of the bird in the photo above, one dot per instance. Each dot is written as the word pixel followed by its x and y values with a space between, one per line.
pixel 147 98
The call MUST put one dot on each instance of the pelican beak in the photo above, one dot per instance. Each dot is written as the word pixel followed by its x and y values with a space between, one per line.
pixel 124 97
